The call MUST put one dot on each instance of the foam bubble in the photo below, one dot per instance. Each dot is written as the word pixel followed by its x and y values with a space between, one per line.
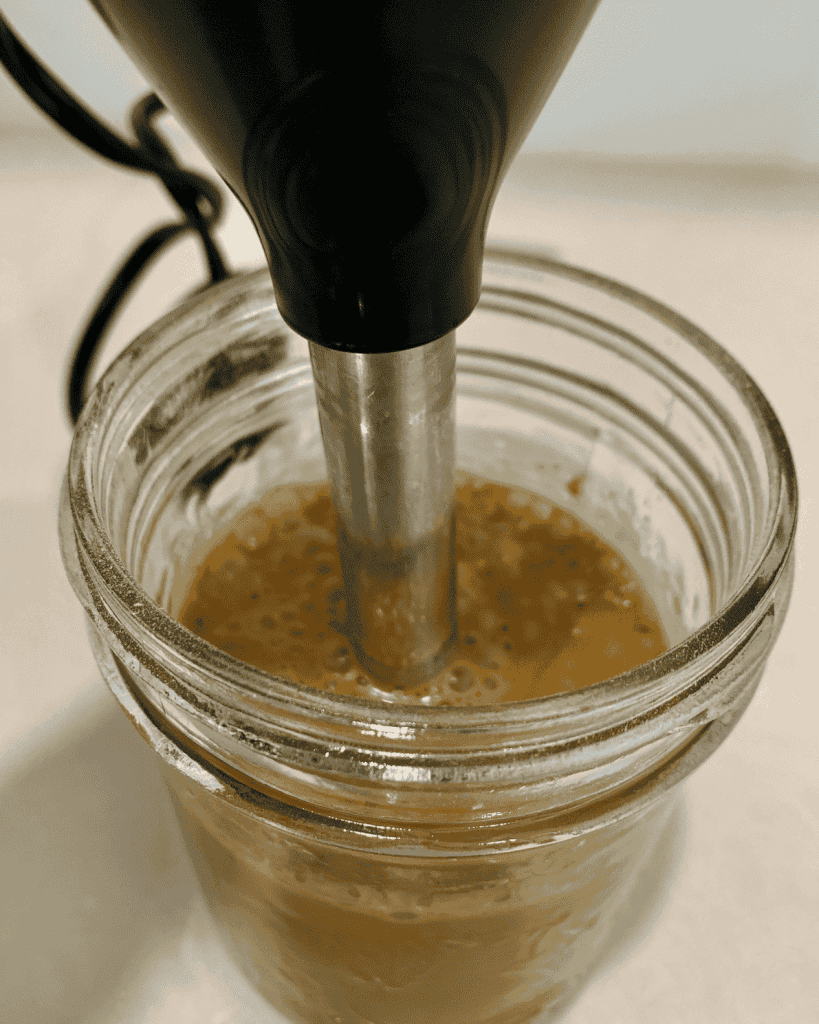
pixel 460 679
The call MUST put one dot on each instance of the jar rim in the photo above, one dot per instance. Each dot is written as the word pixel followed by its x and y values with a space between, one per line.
pixel 258 707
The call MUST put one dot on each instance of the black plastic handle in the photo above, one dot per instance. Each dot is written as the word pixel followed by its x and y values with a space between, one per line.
pixel 372 200
pixel 366 140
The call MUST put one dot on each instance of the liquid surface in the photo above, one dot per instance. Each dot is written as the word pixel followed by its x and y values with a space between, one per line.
pixel 544 605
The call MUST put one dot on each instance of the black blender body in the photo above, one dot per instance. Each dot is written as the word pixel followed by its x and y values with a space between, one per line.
pixel 367 141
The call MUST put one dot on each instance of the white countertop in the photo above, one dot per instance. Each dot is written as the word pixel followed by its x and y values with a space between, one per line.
pixel 99 918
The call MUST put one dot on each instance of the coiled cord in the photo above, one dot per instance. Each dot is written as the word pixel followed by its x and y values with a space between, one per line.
pixel 199 199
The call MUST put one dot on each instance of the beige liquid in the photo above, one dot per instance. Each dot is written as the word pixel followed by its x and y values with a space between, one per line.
pixel 336 935
pixel 544 605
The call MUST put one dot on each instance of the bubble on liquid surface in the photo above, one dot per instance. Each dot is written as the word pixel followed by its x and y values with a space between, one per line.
pixel 460 679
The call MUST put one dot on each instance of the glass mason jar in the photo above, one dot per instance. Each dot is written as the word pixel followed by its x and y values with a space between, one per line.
pixel 379 863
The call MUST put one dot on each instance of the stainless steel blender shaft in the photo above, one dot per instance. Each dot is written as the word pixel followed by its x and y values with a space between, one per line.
pixel 388 426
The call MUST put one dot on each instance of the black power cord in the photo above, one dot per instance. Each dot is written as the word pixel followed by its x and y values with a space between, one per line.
pixel 199 199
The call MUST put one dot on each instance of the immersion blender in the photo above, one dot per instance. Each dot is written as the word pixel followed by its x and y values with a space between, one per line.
pixel 367 141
